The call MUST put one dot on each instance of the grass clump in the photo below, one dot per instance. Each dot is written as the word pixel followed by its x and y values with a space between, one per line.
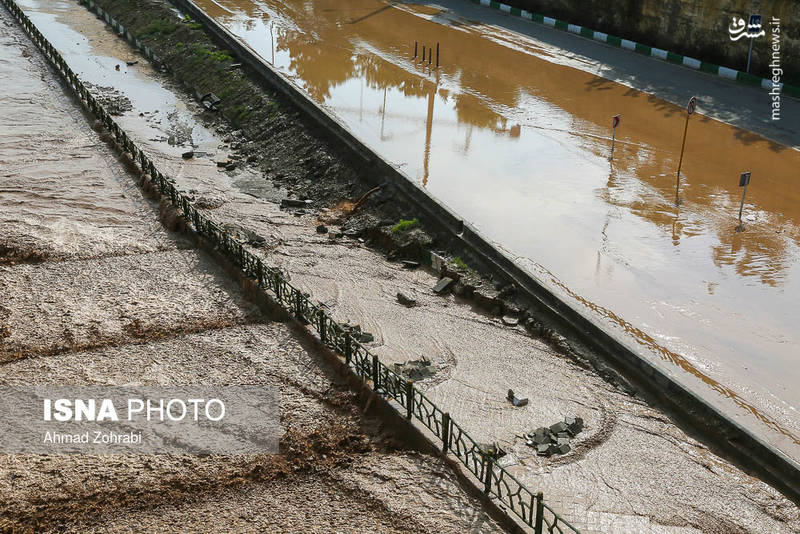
pixel 405 225
pixel 460 263
pixel 159 27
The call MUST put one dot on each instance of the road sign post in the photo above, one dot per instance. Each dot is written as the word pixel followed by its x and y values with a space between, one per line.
pixel 754 23
pixel 690 107
pixel 744 181
pixel 614 124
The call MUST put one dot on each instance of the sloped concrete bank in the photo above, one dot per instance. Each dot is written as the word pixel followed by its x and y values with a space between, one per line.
pixel 586 339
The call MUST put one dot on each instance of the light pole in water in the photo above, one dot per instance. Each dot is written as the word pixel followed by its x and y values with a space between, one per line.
pixel 690 107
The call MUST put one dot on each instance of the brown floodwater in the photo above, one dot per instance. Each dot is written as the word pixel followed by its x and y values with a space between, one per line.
pixel 518 144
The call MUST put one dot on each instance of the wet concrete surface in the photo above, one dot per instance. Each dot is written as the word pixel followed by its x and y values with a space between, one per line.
pixel 158 312
pixel 511 135
pixel 43 212
pixel 631 470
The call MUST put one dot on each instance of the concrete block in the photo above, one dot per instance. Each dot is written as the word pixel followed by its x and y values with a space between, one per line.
pixel 443 285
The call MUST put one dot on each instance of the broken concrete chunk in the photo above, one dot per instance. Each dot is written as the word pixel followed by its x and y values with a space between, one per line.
pixel 562 441
pixel 541 439
pixel 558 427
pixel 516 401
pixel 543 449
pixel 574 425
pixel 210 101
pixel 510 321
pixel 294 203
pixel 563 448
pixel 443 285
pixel 437 262
pixel 405 301
pixel 366 337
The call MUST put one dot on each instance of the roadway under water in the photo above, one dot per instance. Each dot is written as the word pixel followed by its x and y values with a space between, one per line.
pixel 518 144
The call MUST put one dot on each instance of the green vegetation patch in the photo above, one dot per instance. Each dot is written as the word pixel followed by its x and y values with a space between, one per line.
pixel 405 225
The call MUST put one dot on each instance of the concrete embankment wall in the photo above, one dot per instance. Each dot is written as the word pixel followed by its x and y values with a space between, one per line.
pixel 696 28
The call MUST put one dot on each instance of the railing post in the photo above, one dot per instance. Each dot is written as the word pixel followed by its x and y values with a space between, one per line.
pixel 323 334
pixel 276 278
pixel 409 399
pixel 348 347
pixel 298 299
pixel 487 473
pixel 445 432
pixel 537 527
pixel 376 378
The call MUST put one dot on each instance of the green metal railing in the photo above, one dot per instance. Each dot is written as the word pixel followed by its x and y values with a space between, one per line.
pixel 496 481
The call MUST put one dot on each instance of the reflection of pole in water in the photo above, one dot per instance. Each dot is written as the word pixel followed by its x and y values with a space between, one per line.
pixel 676 228
pixel 428 129
pixel 272 40
pixel 468 140
pixel 383 112
pixel 361 102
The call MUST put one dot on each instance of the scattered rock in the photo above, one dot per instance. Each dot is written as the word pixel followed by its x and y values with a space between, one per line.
pixel 406 301
pixel 131 63
pixel 443 285
pixel 322 229
pixel 188 155
pixel 230 166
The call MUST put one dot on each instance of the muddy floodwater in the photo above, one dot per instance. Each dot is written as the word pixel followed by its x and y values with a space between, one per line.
pixel 517 143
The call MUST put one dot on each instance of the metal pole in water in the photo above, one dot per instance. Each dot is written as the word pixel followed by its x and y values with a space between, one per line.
pixel 690 107
pixel 415 50
pixel 430 56
pixel 744 181
pixel 680 163
pixel 437 55
pixel 614 124
pixel 423 52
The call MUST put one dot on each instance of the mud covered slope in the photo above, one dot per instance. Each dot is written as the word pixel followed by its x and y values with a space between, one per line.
pixel 93 291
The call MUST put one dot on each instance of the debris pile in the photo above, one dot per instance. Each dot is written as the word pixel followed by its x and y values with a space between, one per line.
pixel 415 369
pixel 556 438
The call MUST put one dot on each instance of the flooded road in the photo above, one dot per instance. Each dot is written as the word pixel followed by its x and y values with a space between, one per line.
pixel 517 143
